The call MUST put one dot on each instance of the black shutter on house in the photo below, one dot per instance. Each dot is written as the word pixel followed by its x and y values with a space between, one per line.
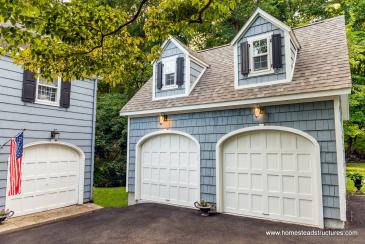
pixel 245 67
pixel 159 75
pixel 180 71
pixel 65 94
pixel 276 51
pixel 29 86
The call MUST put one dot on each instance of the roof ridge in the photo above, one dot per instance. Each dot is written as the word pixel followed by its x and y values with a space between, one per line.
pixel 215 47
pixel 317 22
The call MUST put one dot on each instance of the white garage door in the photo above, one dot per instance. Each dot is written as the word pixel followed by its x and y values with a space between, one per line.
pixel 170 170
pixel 50 179
pixel 271 174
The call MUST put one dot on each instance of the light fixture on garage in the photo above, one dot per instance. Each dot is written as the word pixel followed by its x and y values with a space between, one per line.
pixel 55 135
pixel 258 112
pixel 163 118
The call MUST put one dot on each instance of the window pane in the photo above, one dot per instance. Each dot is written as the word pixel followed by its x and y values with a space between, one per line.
pixel 260 47
pixel 260 62
pixel 170 79
pixel 47 93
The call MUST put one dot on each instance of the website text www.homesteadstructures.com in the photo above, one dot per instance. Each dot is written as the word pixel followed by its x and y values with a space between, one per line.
pixel 312 233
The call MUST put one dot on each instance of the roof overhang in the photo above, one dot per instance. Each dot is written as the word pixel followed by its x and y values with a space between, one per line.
pixel 276 100
pixel 272 19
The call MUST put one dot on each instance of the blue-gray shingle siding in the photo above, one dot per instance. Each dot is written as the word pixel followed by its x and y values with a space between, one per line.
pixel 195 71
pixel 261 26
pixel 76 124
pixel 317 119
pixel 171 50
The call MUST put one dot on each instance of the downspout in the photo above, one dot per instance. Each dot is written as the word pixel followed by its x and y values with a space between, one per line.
pixel 93 139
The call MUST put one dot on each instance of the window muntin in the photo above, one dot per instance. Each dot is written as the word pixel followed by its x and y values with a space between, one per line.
pixel 169 71
pixel 48 92
pixel 260 54
pixel 170 79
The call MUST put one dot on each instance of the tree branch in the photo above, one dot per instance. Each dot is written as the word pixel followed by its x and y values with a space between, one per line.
pixel 201 12
pixel 101 42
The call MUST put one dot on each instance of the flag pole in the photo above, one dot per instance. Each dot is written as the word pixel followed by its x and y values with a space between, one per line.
pixel 1 147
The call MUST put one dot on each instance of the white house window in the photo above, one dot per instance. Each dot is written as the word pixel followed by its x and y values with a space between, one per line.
pixel 169 70
pixel 170 79
pixel 48 92
pixel 260 54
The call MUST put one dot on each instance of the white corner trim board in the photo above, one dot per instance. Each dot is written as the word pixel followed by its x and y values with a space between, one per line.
pixel 138 157
pixel 318 211
pixel 128 141
pixel 341 165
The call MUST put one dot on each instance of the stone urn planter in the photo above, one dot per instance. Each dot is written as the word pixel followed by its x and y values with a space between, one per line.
pixel 5 214
pixel 204 207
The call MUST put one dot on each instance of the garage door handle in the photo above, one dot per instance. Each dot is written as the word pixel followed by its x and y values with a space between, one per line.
pixel 265 213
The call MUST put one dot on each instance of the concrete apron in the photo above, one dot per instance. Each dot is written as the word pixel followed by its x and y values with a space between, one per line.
pixel 32 220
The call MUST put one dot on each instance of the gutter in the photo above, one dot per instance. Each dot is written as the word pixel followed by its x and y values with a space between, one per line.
pixel 286 99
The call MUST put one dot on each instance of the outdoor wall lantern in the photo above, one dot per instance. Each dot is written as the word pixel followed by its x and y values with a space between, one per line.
pixel 259 112
pixel 163 118
pixel 55 135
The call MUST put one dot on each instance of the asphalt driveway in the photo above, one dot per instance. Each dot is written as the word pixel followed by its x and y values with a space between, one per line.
pixel 154 223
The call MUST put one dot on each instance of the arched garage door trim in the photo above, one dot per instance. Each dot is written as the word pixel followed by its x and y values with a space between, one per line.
pixel 138 156
pixel 81 162
pixel 219 168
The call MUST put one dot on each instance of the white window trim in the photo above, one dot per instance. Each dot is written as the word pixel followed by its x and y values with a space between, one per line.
pixel 58 94
pixel 164 61
pixel 269 69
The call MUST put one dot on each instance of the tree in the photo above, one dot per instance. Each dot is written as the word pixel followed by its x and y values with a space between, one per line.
pixel 110 141
pixel 109 39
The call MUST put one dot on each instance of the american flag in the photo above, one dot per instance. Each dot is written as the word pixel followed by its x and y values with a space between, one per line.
pixel 15 167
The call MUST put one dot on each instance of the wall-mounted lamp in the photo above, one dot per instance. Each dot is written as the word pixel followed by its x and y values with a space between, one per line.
pixel 55 135
pixel 259 112
pixel 163 118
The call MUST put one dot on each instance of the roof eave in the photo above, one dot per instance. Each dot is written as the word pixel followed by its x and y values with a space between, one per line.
pixel 253 101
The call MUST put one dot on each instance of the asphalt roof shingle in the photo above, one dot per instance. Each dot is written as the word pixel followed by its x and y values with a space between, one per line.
pixel 322 65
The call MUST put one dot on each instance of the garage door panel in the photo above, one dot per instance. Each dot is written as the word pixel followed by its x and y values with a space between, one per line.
pixel 288 162
pixel 303 162
pixel 175 169
pixel 270 174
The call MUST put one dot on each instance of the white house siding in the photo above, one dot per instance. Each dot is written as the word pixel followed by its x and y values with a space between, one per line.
pixel 317 119
pixel 75 124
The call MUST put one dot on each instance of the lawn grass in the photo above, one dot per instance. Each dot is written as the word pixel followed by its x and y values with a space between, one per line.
pixel 352 168
pixel 112 197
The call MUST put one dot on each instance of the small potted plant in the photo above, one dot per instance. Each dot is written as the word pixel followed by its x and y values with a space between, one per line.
pixel 204 207
pixel 357 178
pixel 4 214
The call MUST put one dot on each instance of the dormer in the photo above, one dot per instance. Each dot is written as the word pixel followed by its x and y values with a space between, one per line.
pixel 265 51
pixel 177 71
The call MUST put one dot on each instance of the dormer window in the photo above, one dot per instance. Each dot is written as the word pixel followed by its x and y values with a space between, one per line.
pixel 260 54
pixel 169 65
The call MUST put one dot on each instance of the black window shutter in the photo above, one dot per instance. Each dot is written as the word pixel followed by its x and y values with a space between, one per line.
pixel 276 51
pixel 29 86
pixel 180 71
pixel 65 94
pixel 245 68
pixel 159 75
